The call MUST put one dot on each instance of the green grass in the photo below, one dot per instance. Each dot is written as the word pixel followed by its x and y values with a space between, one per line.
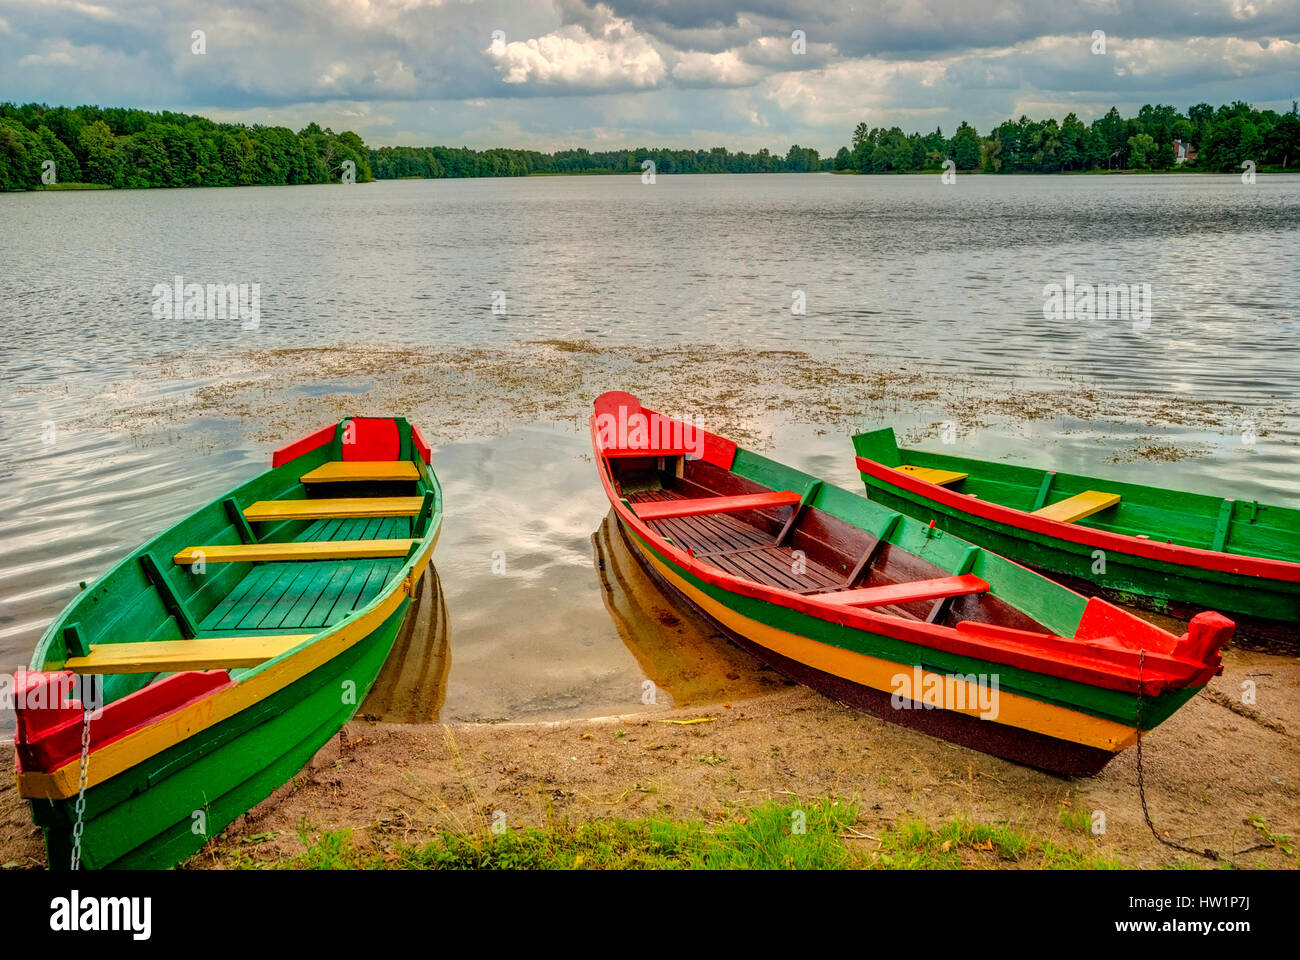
pixel 1076 821
pixel 763 838
pixel 917 846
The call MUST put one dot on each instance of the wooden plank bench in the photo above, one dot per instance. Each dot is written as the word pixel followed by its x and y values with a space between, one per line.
pixel 933 474
pixel 701 506
pixel 348 471
pixel 264 511
pixel 311 550
pixel 911 592
pixel 1078 506
pixel 172 656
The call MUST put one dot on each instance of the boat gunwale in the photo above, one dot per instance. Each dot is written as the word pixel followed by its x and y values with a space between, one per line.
pixel 1218 561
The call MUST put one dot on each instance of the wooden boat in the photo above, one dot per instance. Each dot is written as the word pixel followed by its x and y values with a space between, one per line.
pixel 889 613
pixel 231 647
pixel 1162 549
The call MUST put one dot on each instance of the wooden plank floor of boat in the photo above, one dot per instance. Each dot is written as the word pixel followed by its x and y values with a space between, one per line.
pixel 310 595
pixel 738 548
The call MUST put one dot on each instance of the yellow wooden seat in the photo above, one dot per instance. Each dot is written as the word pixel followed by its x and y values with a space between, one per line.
pixel 1078 506
pixel 170 656
pixel 333 509
pixel 311 550
pixel 933 475
pixel 343 471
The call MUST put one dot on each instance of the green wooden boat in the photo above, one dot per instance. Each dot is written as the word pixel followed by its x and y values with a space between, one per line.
pixel 204 670
pixel 885 612
pixel 1165 550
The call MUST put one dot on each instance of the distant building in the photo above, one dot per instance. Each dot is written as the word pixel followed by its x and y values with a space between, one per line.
pixel 1183 151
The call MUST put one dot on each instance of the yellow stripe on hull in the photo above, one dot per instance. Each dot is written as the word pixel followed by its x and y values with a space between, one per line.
pixel 113 758
pixel 1014 709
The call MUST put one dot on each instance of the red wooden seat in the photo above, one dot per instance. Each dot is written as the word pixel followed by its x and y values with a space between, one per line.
pixel 911 592
pixel 699 506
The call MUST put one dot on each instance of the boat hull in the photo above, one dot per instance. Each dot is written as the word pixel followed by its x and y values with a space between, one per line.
pixel 148 816
pixel 220 684
pixel 1052 735
pixel 1264 610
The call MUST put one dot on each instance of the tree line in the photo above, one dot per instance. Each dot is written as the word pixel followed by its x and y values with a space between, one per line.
pixel 436 162
pixel 1222 139
pixel 122 147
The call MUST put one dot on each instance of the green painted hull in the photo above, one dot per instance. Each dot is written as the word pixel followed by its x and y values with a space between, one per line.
pixel 1096 701
pixel 165 805
pixel 1262 606
pixel 1165 588
pixel 145 817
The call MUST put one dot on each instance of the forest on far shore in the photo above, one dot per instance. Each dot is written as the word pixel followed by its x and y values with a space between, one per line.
pixel 122 147
pixel 125 147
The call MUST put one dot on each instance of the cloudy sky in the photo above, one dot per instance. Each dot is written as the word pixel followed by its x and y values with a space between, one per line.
pixel 556 73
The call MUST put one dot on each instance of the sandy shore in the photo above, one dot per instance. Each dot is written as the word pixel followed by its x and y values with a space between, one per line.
pixel 1209 769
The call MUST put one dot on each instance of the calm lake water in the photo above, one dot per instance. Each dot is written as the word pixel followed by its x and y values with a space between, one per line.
pixel 941 278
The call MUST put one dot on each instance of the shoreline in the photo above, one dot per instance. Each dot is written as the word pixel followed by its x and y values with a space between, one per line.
pixel 395 786
pixel 77 187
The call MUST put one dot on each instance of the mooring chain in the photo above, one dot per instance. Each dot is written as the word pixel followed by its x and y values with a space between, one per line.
pixel 1142 791
pixel 80 825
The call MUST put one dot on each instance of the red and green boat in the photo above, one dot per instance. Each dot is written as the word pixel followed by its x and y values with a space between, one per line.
pixel 889 613
pixel 204 670
pixel 1173 552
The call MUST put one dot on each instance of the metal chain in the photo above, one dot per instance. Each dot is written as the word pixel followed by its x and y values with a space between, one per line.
pixel 80 826
pixel 1142 790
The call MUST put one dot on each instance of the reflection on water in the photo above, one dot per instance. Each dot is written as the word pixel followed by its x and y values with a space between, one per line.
pixel 538 635
pixel 680 652
pixel 412 685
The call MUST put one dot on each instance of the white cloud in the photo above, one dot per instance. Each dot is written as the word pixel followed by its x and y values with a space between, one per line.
pixel 618 58
pixel 726 69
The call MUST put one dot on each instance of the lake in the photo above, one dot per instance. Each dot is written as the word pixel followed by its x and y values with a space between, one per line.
pixel 944 290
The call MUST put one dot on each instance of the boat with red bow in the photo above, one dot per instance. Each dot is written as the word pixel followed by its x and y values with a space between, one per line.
pixel 206 668
pixel 886 612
